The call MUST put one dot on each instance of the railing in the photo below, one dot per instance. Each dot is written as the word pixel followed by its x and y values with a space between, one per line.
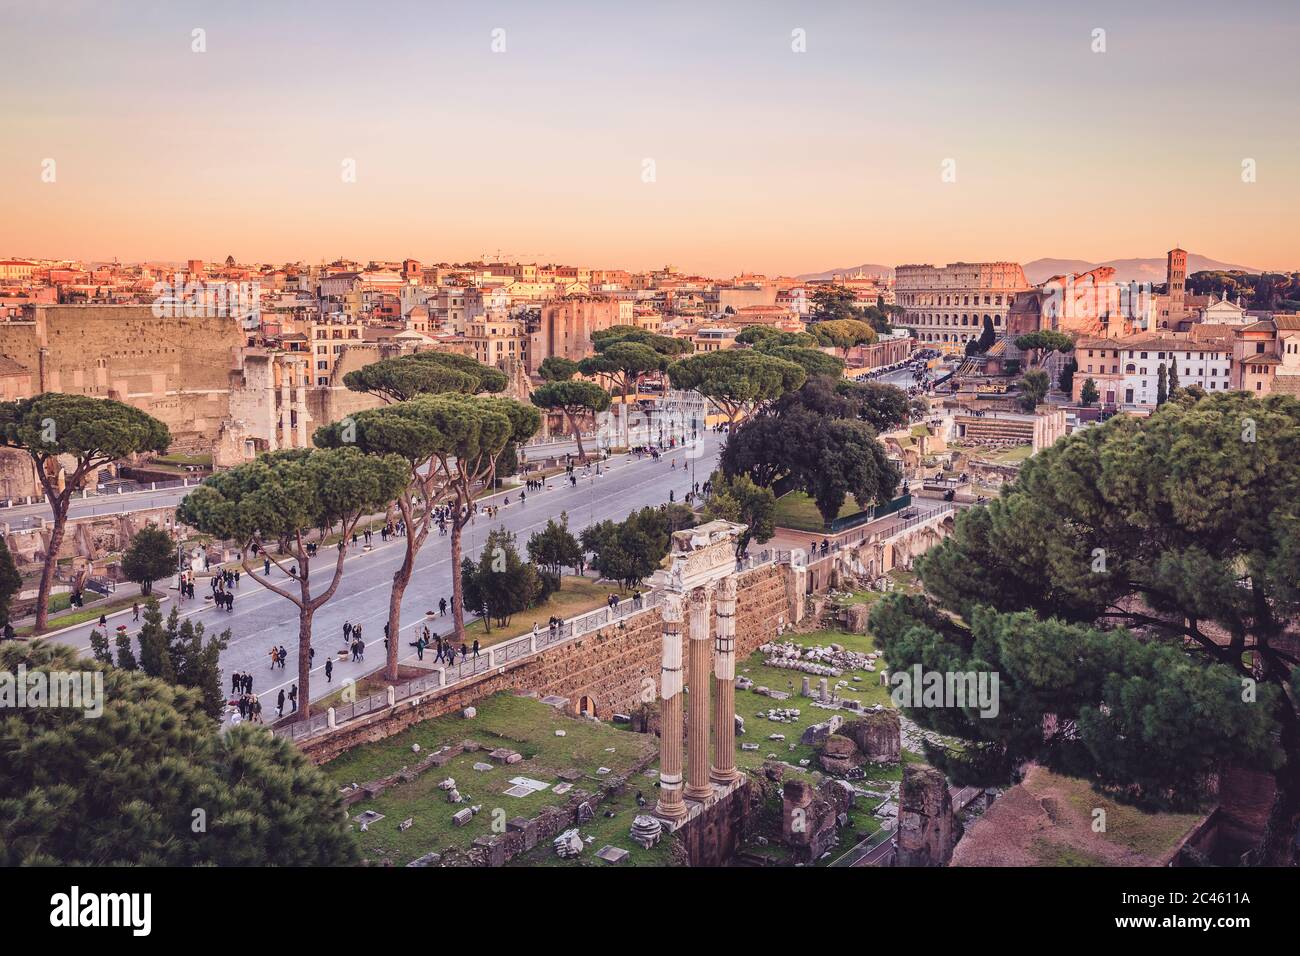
pixel 861 851
pixel 507 652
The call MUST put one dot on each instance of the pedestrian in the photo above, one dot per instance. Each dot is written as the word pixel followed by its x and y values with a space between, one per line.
pixel 442 607
pixel 329 671
pixel 284 655
pixel 275 657
pixel 236 679
pixel 279 701
pixel 476 648
pixel 293 696
pixel 135 611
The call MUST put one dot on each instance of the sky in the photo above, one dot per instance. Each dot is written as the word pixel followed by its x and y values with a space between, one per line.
pixel 718 137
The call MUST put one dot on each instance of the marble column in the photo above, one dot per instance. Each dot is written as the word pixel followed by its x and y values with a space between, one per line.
pixel 697 727
pixel 670 803
pixel 724 770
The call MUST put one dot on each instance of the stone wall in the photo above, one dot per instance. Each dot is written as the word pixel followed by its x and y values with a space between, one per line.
pixel 927 828
pixel 711 837
pixel 176 369
pixel 618 668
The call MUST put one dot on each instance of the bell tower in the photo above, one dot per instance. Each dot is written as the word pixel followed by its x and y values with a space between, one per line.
pixel 1176 276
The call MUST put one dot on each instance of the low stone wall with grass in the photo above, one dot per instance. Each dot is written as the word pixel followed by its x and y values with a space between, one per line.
pixel 616 668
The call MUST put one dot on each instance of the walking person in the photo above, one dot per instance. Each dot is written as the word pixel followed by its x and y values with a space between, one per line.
pixel 329 671
pixel 279 702
pixel 293 697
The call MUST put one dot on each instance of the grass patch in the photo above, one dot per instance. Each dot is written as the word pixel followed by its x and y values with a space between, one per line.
pixel 1151 834
pixel 576 596
pixel 201 461
pixel 91 612
pixel 1010 456
pixel 522 724
pixel 799 512
pixel 1048 853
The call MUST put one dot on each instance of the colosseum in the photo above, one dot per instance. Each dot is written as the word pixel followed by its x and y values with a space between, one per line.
pixel 947 306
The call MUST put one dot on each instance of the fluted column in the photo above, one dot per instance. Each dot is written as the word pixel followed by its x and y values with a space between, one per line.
pixel 697 728
pixel 670 803
pixel 724 671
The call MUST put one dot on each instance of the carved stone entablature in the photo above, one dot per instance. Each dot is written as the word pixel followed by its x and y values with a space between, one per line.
pixel 700 556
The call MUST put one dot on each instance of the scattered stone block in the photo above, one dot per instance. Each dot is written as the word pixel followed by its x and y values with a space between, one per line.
pixel 568 844
pixel 406 824
pixel 429 859
pixel 469 713
pixel 612 854
pixel 646 830
pixel 462 817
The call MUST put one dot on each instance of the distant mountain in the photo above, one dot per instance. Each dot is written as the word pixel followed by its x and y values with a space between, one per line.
pixel 866 268
pixel 1127 270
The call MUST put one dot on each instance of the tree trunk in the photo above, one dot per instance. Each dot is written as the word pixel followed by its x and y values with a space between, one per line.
pixel 401 578
pixel 304 660
pixel 47 570
pixel 1279 847
pixel 577 436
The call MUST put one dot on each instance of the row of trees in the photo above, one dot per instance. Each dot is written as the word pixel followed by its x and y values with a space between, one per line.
pixel 438 438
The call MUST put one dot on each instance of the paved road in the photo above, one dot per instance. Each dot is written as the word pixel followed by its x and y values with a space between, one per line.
pixel 262 619
pixel 19 516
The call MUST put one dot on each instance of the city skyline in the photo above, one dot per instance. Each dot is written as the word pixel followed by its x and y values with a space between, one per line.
pixel 764 159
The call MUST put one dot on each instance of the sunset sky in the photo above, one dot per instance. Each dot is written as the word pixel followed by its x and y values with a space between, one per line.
pixel 765 159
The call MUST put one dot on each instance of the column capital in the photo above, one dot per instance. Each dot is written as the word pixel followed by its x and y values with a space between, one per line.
pixel 726 588
pixel 671 608
pixel 699 597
